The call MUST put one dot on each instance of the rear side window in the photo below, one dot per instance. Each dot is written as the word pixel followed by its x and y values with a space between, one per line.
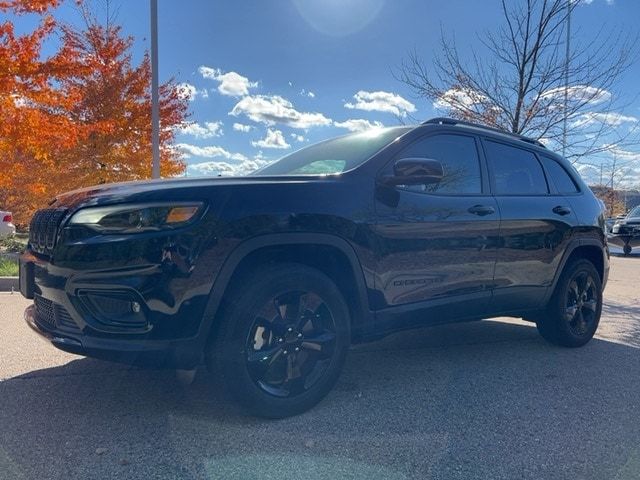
pixel 460 162
pixel 515 171
pixel 559 176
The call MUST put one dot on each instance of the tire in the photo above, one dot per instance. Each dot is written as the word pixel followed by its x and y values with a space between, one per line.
pixel 282 341
pixel 573 314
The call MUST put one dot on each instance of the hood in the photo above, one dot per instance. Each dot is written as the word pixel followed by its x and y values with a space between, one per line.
pixel 118 192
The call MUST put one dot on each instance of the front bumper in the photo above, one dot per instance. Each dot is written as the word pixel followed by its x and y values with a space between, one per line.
pixel 622 239
pixel 81 312
pixel 182 354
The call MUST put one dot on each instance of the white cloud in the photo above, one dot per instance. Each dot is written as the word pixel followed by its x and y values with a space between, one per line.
pixel 208 130
pixel 272 109
pixel 614 119
pixel 241 127
pixel 358 124
pixel 307 93
pixel 297 138
pixel 189 151
pixel 589 173
pixel 225 168
pixel 578 93
pixel 459 99
pixel 274 139
pixel 230 83
pixel 190 92
pixel 381 102
pixel 622 154
pixel 589 2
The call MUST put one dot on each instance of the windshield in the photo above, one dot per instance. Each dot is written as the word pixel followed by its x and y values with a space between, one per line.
pixel 334 156
pixel 635 212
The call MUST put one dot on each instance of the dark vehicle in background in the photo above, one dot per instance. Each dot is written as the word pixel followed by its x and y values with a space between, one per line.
pixel 625 232
pixel 269 278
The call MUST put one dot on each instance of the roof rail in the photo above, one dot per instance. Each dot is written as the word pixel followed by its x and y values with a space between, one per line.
pixel 453 121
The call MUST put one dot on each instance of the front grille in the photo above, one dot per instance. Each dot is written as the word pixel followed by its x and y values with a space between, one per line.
pixel 43 230
pixel 54 315
pixel 45 311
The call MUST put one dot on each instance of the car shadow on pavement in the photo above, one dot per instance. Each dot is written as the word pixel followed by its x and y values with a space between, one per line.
pixel 479 400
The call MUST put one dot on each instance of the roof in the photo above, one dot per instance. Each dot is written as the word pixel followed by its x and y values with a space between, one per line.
pixel 453 121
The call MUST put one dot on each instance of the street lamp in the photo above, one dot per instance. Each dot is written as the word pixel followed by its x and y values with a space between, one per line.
pixel 155 107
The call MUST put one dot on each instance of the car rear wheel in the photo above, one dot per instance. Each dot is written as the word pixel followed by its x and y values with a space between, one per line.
pixel 573 313
pixel 283 340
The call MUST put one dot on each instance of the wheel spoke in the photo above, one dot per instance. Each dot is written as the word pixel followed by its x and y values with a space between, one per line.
pixel 588 285
pixel 295 385
pixel 573 288
pixel 264 357
pixel 591 305
pixel 319 342
pixel 290 308
pixel 570 313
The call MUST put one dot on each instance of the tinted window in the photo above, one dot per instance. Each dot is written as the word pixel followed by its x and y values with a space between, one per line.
pixel 460 163
pixel 516 171
pixel 334 156
pixel 559 176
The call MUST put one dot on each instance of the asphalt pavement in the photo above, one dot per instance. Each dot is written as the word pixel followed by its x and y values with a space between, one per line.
pixel 483 400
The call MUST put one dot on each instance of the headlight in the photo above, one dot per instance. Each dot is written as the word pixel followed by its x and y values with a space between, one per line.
pixel 136 218
pixel 615 228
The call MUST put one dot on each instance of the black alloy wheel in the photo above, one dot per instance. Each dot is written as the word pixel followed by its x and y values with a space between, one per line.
pixel 291 343
pixel 573 314
pixel 282 341
pixel 581 303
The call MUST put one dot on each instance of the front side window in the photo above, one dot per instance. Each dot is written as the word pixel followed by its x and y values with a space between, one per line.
pixel 515 171
pixel 460 163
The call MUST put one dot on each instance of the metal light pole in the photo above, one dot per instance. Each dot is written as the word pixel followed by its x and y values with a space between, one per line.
pixel 155 107
pixel 566 79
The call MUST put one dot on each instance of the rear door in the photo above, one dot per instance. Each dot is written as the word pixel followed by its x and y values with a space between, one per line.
pixel 435 244
pixel 535 229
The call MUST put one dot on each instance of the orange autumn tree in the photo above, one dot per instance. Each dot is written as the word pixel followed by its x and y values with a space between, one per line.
pixel 34 124
pixel 115 108
pixel 79 117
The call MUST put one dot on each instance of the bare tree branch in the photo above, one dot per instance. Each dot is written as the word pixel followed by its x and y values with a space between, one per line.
pixel 517 83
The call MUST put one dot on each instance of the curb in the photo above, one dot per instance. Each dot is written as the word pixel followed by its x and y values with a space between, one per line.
pixel 9 283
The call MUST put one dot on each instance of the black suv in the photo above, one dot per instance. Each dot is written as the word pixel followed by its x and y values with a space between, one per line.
pixel 269 278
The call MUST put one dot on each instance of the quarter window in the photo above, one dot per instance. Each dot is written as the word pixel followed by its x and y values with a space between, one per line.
pixel 460 162
pixel 515 171
pixel 559 176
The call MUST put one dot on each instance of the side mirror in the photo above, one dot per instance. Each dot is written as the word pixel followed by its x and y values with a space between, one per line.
pixel 416 171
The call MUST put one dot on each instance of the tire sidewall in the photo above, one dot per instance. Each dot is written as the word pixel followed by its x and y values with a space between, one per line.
pixel 561 330
pixel 243 304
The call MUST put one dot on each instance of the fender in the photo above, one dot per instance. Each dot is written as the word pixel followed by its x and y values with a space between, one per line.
pixel 271 240
pixel 576 243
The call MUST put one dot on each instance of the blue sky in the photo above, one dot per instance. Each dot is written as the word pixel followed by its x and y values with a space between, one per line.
pixel 267 77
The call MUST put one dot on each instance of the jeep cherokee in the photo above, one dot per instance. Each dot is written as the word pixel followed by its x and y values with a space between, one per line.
pixel 269 278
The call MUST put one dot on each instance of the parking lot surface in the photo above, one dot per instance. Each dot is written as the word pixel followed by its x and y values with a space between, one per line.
pixel 483 400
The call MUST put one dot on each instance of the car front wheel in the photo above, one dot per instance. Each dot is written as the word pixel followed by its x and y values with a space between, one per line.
pixel 283 340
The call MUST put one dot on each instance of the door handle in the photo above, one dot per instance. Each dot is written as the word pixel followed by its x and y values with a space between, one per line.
pixel 481 210
pixel 561 210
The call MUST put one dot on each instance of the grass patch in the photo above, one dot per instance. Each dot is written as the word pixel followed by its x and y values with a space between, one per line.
pixel 15 244
pixel 8 267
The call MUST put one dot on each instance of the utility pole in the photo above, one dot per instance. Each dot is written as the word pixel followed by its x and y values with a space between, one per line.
pixel 566 79
pixel 155 107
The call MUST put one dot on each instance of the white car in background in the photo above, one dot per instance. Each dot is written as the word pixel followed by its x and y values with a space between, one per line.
pixel 7 228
